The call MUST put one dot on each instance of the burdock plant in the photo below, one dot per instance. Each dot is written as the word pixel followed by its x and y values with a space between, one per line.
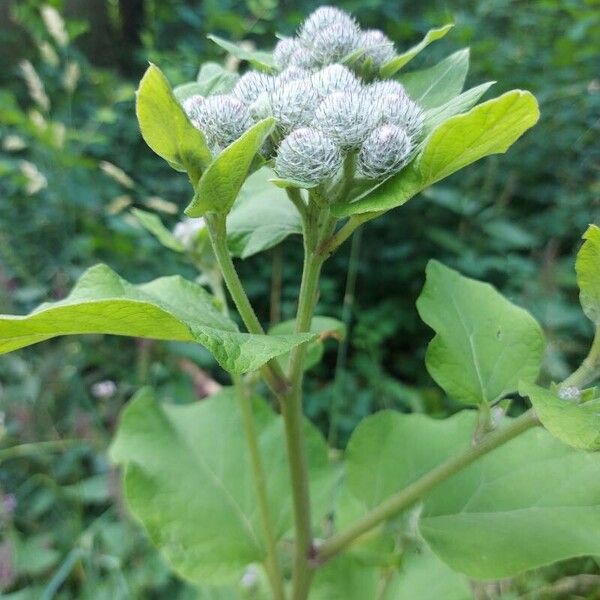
pixel 240 493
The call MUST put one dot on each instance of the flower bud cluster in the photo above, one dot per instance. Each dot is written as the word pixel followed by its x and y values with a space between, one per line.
pixel 324 111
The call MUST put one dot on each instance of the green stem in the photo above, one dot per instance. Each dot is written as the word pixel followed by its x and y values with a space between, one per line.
pixel 332 243
pixel 589 370
pixel 276 283
pixel 272 372
pixel 419 488
pixel 272 564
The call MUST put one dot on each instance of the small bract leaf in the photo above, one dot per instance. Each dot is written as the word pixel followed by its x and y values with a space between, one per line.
pixel 259 59
pixel 214 79
pixel 587 266
pixel 437 85
pixel 188 480
pixel 261 217
pixel 155 226
pixel 221 182
pixel 399 61
pixel 292 183
pixel 169 308
pixel 577 425
pixel 165 126
pixel 484 345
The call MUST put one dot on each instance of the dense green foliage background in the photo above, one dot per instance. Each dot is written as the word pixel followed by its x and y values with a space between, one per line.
pixel 72 164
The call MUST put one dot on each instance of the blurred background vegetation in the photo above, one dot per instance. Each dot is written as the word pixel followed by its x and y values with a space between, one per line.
pixel 72 165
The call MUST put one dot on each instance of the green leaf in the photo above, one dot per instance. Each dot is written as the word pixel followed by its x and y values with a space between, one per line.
pixel 220 184
pixel 577 425
pixel 587 266
pixel 344 577
pixel 437 85
pixel 155 226
pixel 261 217
pixel 169 308
pixel 529 503
pixel 258 59
pixel 166 128
pixel 484 345
pixel 423 576
pixel 489 128
pixel 188 480
pixel 187 90
pixel 291 183
pixel 214 79
pixel 395 64
pixel 325 327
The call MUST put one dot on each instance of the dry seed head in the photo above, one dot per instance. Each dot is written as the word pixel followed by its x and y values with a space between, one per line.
pixel 308 155
pixel 347 118
pixel 384 152
pixel 294 103
pixel 250 85
pixel 223 119
pixel 401 111
pixel 335 78
pixel 378 47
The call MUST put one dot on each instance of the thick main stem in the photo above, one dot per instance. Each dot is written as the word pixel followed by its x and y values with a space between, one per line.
pixel 589 370
pixel 418 489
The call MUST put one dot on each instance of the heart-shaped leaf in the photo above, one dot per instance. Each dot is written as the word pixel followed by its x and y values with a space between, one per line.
pixel 188 480
pixel 169 308
pixel 395 64
pixel 166 128
pixel 258 59
pixel 221 182
pixel 484 345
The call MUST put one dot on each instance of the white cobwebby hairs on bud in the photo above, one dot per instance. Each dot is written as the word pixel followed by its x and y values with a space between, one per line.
pixel 187 230
pixel 377 46
pixel 334 42
pixel 191 106
pixel 294 103
pixel 292 74
pixel 308 155
pixel 323 17
pixel 377 89
pixel 335 78
pixel 401 111
pixel 384 152
pixel 223 119
pixel 301 57
pixel 283 52
pixel 347 118
pixel 251 85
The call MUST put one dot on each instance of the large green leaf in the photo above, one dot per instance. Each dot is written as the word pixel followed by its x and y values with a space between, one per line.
pixel 152 223
pixel 489 128
pixel 257 58
pixel 344 577
pixel 484 345
pixel 587 266
pixel 577 425
pixel 221 182
pixel 189 480
pixel 169 308
pixel 166 128
pixel 531 502
pixel 400 60
pixel 437 85
pixel 261 217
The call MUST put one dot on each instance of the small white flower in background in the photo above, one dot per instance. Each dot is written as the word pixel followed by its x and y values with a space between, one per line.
pixel 347 118
pixel 71 76
pixel 55 25
pixel 384 152
pixel 283 51
pixel 102 390
pixel 222 119
pixel 294 103
pixel 35 179
pixel 251 85
pixel 401 111
pixel 117 174
pixel 378 47
pixel 335 78
pixel 308 155
pixel 35 85
pixel 13 143
pixel 570 393
pixel 187 230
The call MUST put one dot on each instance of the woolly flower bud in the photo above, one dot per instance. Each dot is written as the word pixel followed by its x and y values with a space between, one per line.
pixel 187 231
pixel 335 78
pixel 192 105
pixel 292 74
pixel 308 155
pixel 378 47
pixel 223 119
pixel 377 89
pixel 302 58
pixel 401 111
pixel 251 85
pixel 294 104
pixel 384 152
pixel 323 17
pixel 283 52
pixel 333 43
pixel 347 118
